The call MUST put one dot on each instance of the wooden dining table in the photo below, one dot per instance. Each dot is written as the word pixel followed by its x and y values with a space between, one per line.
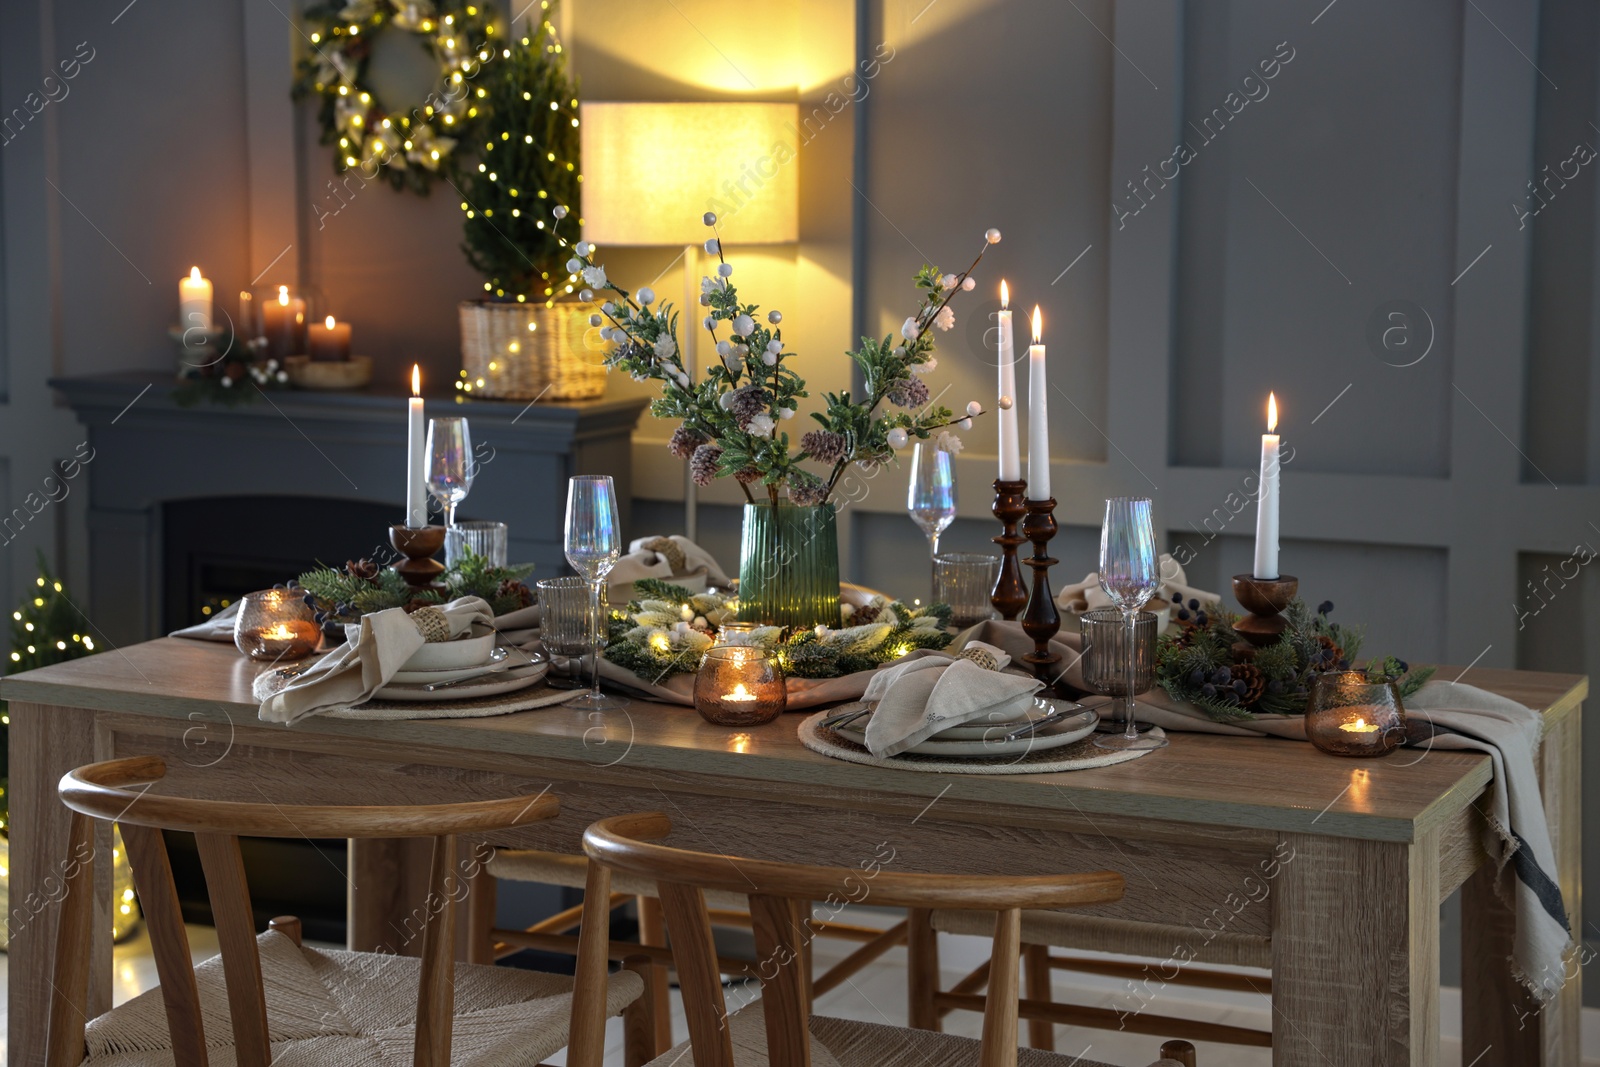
pixel 1355 855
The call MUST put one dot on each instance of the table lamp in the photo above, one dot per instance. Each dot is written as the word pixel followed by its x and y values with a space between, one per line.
pixel 652 171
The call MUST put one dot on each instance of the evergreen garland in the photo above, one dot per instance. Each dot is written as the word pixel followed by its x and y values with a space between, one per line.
pixel 361 587
pixel 1200 664
pixel 528 164
pixel 667 630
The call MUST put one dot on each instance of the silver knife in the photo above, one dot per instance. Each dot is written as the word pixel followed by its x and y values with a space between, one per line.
pixel 847 714
pixel 1030 728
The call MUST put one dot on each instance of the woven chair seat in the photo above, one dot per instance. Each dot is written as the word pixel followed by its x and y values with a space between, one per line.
pixel 348 1009
pixel 846 1043
pixel 1088 933
pixel 555 868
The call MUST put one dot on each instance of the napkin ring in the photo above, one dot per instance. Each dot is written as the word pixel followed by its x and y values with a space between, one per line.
pixel 669 550
pixel 982 657
pixel 432 624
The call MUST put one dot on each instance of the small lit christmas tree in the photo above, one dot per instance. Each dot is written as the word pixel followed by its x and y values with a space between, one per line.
pixel 46 628
pixel 527 164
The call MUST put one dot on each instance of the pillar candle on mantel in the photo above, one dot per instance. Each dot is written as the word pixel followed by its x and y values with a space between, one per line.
pixel 330 342
pixel 1010 457
pixel 194 301
pixel 1267 503
pixel 416 458
pixel 1038 417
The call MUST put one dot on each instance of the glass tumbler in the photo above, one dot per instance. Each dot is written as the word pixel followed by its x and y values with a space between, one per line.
pixel 275 624
pixel 1347 715
pixel 964 580
pixel 486 539
pixel 564 625
pixel 1106 653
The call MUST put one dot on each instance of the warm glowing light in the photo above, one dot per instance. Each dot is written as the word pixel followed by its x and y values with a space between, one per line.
pixel 416 380
pixel 280 632
pixel 283 295
pixel 194 274
pixel 1005 295
pixel 1272 413
pixel 740 694
pixel 1360 726
pixel 1038 324
pixel 739 743
pixel 660 643
pixel 328 322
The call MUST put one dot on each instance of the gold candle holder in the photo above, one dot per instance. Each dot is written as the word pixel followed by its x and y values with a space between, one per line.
pixel 1347 715
pixel 275 624
pixel 739 685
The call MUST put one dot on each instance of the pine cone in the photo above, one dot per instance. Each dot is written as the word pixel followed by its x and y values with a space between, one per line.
pixel 511 588
pixel 1255 683
pixel 1332 654
pixel 361 568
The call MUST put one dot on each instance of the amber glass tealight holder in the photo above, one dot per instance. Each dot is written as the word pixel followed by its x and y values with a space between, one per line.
pixel 739 685
pixel 275 624
pixel 1347 715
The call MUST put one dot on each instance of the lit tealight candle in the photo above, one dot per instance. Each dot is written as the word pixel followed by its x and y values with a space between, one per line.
pixel 329 342
pixel 1360 726
pixel 740 693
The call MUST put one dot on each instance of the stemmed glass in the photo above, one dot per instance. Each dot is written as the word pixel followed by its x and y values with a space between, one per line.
pixel 450 464
pixel 593 546
pixel 931 495
pixel 1130 576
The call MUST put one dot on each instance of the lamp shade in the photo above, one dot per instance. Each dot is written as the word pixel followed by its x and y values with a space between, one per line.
pixel 651 171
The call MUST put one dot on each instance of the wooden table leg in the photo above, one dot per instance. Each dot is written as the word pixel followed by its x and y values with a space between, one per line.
pixel 1500 1021
pixel 387 905
pixel 47 742
pixel 1355 951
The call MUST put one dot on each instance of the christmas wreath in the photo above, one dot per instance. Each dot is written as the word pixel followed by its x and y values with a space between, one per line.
pixel 409 147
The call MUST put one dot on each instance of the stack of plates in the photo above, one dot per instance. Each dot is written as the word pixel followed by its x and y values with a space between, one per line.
pixel 1059 723
pixel 467 668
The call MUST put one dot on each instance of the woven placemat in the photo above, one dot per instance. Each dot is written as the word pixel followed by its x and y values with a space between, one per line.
pixel 539 695
pixel 1078 756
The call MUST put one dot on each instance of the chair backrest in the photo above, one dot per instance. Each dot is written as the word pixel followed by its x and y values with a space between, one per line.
pixel 120 791
pixel 780 908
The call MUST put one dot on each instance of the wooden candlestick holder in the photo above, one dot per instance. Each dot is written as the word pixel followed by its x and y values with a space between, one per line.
pixel 1042 621
pixel 1264 599
pixel 1010 594
pixel 419 544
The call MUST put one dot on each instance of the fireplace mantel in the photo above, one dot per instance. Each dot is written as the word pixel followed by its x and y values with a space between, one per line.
pixel 149 451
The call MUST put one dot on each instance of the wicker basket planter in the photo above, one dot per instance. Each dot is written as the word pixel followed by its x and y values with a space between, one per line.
pixel 525 351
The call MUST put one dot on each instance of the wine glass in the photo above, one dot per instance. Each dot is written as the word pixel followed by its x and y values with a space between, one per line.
pixel 593 546
pixel 931 495
pixel 1130 575
pixel 451 467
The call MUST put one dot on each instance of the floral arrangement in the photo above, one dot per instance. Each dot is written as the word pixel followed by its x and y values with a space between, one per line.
pixel 1208 665
pixel 668 629
pixel 342 595
pixel 222 371
pixel 729 421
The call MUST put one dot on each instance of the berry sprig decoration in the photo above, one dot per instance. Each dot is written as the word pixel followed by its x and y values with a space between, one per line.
pixel 729 421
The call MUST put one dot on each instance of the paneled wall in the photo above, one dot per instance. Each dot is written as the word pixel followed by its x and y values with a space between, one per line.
pixel 1208 200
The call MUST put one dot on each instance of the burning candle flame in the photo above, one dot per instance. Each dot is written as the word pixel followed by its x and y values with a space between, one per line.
pixel 416 377
pixel 328 322
pixel 283 295
pixel 1360 726
pixel 1038 324
pixel 1005 295
pixel 194 274
pixel 1272 413
pixel 740 693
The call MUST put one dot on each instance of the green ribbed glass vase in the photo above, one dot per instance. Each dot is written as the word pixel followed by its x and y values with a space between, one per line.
pixel 789 565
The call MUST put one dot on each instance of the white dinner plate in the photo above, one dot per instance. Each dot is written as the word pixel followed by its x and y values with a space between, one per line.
pixel 979 729
pixel 1066 732
pixel 505 681
pixel 494 664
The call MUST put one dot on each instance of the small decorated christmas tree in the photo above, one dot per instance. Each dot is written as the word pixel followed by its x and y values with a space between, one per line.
pixel 46 628
pixel 527 163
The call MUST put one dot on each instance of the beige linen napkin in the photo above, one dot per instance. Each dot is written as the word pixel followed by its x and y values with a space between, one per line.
pixel 375 648
pixel 925 696
pixel 672 559
pixel 1087 595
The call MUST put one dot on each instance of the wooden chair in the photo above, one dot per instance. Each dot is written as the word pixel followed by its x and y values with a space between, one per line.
pixel 1044 930
pixel 281 1000
pixel 782 1032
pixel 726 910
